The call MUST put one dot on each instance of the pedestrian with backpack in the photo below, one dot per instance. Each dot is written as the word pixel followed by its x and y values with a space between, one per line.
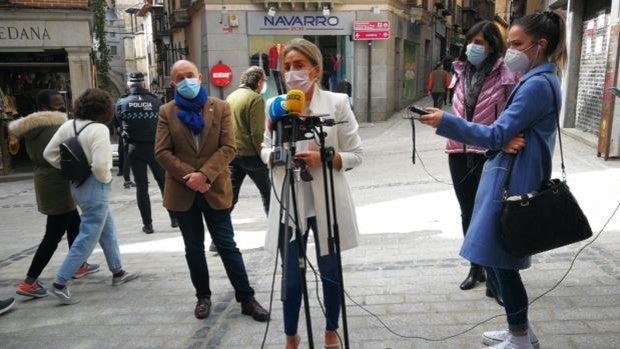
pixel 93 110
pixel 51 189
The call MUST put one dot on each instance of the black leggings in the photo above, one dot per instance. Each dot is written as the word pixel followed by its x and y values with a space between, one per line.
pixel 466 170
pixel 55 228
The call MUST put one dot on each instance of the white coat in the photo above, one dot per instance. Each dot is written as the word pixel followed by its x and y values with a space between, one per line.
pixel 347 142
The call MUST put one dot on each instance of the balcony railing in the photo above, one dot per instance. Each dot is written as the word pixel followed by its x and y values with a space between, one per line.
pixel 179 18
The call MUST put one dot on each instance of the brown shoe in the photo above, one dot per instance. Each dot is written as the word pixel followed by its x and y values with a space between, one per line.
pixel 203 308
pixel 255 310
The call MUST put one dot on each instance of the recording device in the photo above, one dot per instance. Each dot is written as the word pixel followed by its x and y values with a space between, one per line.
pixel 277 112
pixel 414 108
pixel 295 102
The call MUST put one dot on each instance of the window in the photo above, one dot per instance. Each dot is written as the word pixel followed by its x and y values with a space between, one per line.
pixel 113 51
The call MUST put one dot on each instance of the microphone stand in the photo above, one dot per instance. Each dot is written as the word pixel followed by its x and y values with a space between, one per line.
pixel 333 236
pixel 289 186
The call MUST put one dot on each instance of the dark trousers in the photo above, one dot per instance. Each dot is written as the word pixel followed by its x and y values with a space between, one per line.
pixel 513 293
pixel 55 228
pixel 438 99
pixel 465 170
pixel 141 156
pixel 277 78
pixel 328 268
pixel 123 159
pixel 258 172
pixel 221 230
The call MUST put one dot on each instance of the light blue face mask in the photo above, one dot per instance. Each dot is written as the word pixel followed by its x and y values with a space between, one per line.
pixel 475 53
pixel 189 88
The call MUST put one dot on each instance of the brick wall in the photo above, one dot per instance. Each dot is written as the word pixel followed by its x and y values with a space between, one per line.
pixel 592 74
pixel 50 3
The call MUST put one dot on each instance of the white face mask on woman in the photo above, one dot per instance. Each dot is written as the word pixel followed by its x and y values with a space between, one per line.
pixel 517 61
pixel 298 79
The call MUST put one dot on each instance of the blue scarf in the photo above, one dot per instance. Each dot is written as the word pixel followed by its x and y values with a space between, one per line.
pixel 190 112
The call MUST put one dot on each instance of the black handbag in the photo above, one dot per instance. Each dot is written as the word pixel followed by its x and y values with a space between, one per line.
pixel 545 219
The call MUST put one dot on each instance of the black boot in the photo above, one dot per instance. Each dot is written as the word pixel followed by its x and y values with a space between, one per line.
pixel 476 274
pixel 493 292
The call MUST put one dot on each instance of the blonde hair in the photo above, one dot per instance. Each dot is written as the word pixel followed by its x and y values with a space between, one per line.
pixel 308 49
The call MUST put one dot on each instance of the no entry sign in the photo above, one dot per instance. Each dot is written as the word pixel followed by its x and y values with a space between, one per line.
pixel 221 75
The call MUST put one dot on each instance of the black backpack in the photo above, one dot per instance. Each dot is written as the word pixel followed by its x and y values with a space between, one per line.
pixel 73 162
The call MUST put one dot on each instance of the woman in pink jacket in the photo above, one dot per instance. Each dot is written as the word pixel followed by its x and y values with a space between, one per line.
pixel 482 84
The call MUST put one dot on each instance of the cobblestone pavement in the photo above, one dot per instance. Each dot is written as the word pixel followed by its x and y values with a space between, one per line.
pixel 406 271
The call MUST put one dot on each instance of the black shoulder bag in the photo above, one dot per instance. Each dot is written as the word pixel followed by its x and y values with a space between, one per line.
pixel 545 219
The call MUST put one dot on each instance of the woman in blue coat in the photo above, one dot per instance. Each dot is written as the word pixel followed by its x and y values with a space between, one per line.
pixel 536 47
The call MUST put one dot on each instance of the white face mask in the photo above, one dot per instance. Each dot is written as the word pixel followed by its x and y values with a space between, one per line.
pixel 517 61
pixel 298 80
pixel 264 89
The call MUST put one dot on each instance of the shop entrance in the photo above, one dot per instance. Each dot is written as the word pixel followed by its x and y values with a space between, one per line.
pixel 22 76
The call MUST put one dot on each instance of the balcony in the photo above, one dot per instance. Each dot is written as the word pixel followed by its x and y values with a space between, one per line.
pixel 179 18
pixel 420 15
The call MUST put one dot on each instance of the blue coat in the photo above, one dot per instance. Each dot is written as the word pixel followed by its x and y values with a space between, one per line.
pixel 529 110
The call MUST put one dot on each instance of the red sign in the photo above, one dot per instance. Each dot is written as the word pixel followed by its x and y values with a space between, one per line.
pixel 371 35
pixel 371 25
pixel 221 75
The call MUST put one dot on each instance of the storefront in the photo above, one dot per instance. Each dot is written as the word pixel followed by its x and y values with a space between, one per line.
pixel 37 51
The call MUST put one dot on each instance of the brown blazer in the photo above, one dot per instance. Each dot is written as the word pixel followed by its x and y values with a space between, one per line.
pixel 175 151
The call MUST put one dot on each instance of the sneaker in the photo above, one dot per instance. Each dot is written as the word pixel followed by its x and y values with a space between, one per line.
pixel 148 228
pixel 34 290
pixel 129 184
pixel 6 304
pixel 86 269
pixel 497 337
pixel 63 295
pixel 126 277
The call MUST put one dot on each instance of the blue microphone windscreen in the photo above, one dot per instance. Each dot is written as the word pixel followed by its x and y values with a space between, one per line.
pixel 276 109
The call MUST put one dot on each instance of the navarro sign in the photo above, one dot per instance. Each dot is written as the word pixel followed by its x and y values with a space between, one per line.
pixel 304 23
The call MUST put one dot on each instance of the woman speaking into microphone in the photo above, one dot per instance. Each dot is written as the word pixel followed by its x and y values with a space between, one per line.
pixel 302 67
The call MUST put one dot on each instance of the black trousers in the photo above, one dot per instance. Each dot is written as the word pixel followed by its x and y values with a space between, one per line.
pixel 465 170
pixel 141 156
pixel 253 167
pixel 55 228
pixel 123 159
pixel 439 99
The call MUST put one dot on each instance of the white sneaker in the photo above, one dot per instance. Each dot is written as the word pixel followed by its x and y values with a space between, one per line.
pixel 514 342
pixel 64 296
pixel 497 337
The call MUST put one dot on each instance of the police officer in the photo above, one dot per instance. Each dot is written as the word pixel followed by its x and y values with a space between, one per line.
pixel 137 113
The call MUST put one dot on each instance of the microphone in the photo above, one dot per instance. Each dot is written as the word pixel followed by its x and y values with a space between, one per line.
pixel 295 102
pixel 277 112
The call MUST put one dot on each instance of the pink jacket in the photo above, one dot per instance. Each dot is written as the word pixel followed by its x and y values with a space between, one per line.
pixel 491 101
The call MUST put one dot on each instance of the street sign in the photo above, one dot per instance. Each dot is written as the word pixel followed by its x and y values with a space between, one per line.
pixel 371 25
pixel 371 30
pixel 371 35
pixel 221 75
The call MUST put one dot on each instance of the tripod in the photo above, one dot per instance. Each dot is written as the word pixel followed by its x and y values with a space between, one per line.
pixel 333 236
pixel 288 187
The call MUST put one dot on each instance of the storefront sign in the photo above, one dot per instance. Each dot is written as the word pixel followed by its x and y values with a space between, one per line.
pixel 50 34
pixel 221 75
pixel 300 23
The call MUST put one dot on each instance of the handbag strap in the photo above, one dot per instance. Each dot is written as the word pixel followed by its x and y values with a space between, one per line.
pixel 557 123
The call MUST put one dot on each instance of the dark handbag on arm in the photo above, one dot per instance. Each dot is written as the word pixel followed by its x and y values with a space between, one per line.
pixel 545 219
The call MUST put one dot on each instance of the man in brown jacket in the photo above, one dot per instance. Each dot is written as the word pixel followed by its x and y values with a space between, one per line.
pixel 194 143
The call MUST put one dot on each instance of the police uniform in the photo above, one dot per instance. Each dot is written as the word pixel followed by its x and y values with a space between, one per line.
pixel 137 114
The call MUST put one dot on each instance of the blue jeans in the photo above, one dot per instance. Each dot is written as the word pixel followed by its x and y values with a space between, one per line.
pixel 329 279
pixel 513 292
pixel 221 230
pixel 93 198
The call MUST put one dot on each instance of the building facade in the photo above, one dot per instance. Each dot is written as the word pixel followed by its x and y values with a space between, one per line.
pixel 38 52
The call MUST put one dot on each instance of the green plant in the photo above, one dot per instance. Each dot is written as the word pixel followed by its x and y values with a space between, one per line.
pixel 102 60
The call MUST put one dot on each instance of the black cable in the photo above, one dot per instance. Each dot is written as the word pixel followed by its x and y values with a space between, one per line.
pixel 440 339
pixel 273 282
